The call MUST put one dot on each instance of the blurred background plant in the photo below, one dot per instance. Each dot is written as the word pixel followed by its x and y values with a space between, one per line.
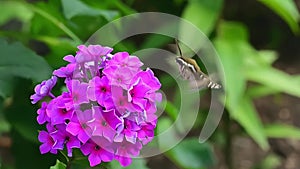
pixel 258 45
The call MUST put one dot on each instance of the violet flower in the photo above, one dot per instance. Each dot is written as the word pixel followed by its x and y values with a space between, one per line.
pixel 96 153
pixel 108 110
pixel 42 115
pixel 63 137
pixel 43 89
pixel 105 123
pixel 78 126
pixel 47 143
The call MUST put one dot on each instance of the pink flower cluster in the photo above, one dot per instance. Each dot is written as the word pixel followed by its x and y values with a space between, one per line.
pixel 108 110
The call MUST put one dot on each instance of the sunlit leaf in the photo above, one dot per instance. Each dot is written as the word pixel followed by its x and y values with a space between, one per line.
pixel 248 118
pixel 282 131
pixel 232 52
pixel 8 11
pixel 192 154
pixel 4 125
pixel 271 161
pixel 203 14
pixel 286 9
pixel 47 20
pixel 76 7
pixel 275 79
pixel 59 165
pixel 260 91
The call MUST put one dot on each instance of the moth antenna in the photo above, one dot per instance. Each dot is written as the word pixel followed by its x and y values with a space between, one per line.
pixel 177 44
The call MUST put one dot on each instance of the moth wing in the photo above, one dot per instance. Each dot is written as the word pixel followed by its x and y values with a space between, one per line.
pixel 204 81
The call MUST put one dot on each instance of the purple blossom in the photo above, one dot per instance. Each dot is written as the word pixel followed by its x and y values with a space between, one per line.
pixel 125 151
pixel 137 94
pixel 119 101
pixel 66 72
pixel 79 92
pixel 63 137
pixel 124 60
pixel 108 110
pixel 79 127
pixel 43 89
pixel 105 123
pixel 146 133
pixel 99 90
pixel 58 112
pixel 119 77
pixel 149 79
pixel 91 53
pixel 96 152
pixel 47 143
pixel 42 115
pixel 129 132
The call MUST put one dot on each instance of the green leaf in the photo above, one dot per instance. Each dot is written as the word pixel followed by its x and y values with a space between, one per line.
pixel 8 11
pixel 260 91
pixel 203 14
pixel 136 164
pixel 275 79
pixel 81 162
pixel 233 31
pixel 171 110
pixel 231 48
pixel 18 61
pixel 163 125
pixel 50 21
pixel 272 161
pixel 282 131
pixel 76 7
pixel 287 10
pixel 4 125
pixel 248 118
pixel 124 8
pixel 26 154
pixel 258 59
pixel 234 49
pixel 59 165
pixel 6 85
pixel 192 154
pixel 155 41
pixel 21 114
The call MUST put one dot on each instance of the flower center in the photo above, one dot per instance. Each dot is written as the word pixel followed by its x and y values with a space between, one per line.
pixel 131 93
pixel 119 79
pixel 97 147
pixel 67 139
pixel 75 97
pixel 121 103
pixel 64 111
pixel 103 89
pixel 83 125
pixel 104 123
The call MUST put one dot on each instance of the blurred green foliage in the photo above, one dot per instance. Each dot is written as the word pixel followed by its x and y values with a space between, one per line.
pixel 36 36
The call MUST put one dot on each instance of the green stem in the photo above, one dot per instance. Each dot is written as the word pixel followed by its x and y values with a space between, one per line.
pixel 67 159
pixel 56 22
pixel 228 146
